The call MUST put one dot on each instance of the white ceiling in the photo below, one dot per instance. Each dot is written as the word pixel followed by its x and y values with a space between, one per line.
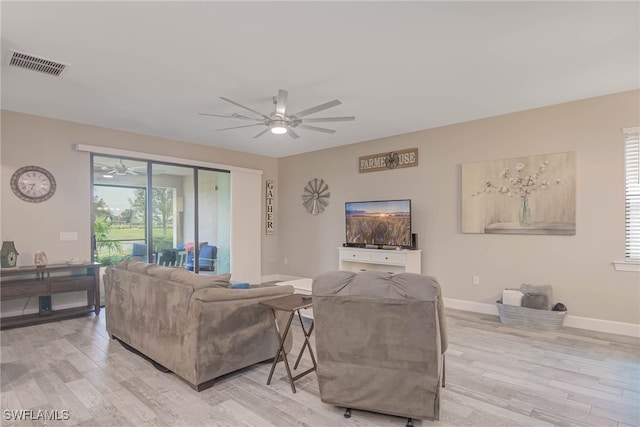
pixel 151 67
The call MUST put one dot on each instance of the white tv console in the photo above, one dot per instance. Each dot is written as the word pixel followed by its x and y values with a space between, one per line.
pixel 391 260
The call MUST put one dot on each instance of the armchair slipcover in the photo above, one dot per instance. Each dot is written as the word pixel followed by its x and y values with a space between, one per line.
pixel 380 341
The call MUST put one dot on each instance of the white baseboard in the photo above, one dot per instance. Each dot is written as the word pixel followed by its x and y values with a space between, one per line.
pixel 476 307
pixel 599 325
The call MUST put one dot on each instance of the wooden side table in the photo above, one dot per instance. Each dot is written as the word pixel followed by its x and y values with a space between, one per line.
pixel 292 304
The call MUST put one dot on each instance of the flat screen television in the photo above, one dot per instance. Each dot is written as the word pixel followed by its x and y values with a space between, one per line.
pixel 380 223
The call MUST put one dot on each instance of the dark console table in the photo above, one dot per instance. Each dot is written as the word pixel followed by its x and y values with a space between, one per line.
pixel 42 282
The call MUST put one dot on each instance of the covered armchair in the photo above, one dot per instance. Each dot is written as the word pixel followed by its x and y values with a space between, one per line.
pixel 380 342
pixel 206 259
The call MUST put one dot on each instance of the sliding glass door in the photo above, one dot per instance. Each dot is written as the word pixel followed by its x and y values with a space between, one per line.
pixel 167 214
pixel 119 209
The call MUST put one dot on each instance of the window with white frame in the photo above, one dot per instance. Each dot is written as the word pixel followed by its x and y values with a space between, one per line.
pixel 632 193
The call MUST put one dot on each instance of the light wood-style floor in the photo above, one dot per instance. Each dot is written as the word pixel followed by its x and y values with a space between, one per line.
pixel 496 376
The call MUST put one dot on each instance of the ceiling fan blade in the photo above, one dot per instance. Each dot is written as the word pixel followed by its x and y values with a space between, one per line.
pixel 242 106
pixel 317 129
pixel 243 126
pixel 317 108
pixel 262 133
pixel 328 119
pixel 281 103
pixel 292 134
pixel 231 116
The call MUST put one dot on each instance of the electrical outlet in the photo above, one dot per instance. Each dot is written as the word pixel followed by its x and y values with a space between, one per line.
pixel 476 280
pixel 286 260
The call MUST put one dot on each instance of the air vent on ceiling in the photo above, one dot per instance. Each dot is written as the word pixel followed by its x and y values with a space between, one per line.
pixel 30 62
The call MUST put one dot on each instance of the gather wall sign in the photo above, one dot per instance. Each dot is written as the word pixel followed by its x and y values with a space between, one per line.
pixel 392 160
pixel 270 219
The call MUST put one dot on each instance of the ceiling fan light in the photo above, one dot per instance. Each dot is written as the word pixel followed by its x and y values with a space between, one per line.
pixel 278 129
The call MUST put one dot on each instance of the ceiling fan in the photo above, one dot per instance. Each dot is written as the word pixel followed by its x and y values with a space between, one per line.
pixel 120 169
pixel 279 121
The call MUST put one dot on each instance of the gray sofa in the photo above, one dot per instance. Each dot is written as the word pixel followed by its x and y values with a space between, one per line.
pixel 380 341
pixel 193 325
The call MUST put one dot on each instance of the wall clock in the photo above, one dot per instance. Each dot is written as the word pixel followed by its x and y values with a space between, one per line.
pixel 33 184
pixel 316 196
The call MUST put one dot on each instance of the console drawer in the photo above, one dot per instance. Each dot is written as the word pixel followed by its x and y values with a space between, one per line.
pixel 388 258
pixel 24 289
pixel 352 255
pixel 70 285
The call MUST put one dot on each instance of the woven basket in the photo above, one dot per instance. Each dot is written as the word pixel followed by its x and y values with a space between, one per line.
pixel 546 320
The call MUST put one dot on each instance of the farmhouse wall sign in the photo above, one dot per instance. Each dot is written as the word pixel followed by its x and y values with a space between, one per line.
pixel 270 219
pixel 392 160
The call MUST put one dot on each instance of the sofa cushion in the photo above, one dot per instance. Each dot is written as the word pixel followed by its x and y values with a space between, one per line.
pixel 198 281
pixel 218 295
pixel 162 272
pixel 138 266
pixel 124 265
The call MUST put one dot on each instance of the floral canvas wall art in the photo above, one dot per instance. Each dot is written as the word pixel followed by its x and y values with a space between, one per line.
pixel 525 195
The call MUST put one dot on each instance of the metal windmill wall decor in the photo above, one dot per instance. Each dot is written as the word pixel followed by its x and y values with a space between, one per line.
pixel 316 196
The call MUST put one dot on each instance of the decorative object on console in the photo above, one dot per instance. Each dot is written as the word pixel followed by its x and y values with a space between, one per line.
pixel 393 160
pixel 316 196
pixel 40 259
pixel 8 255
pixel 544 187
pixel 33 184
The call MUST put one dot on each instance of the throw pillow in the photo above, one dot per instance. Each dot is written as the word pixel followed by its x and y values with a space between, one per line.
pixel 539 289
pixel 198 281
pixel 537 301
pixel 161 272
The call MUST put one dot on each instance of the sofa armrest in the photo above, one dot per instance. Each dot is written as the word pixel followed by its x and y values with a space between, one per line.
pixel 222 294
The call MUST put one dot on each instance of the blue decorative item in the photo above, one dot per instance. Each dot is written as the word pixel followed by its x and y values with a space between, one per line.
pixel 240 285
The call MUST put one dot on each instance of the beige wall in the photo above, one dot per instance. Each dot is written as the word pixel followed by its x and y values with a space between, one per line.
pixel 579 267
pixel 33 140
